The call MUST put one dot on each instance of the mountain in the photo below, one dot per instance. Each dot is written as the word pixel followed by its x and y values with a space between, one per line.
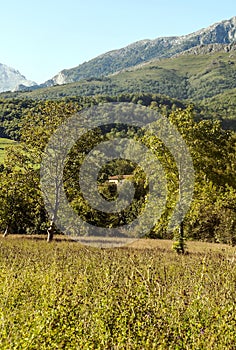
pixel 12 80
pixel 146 50
pixel 199 73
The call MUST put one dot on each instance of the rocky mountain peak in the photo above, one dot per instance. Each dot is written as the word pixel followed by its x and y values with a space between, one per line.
pixel 11 79
pixel 133 55
pixel 147 50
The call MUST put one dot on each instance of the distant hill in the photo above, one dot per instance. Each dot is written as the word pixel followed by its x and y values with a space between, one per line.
pixel 202 73
pixel 145 50
pixel 198 68
pixel 11 79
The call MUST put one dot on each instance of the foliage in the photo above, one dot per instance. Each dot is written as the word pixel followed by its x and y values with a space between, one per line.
pixel 21 204
pixel 11 112
pixel 4 143
pixel 212 214
pixel 223 107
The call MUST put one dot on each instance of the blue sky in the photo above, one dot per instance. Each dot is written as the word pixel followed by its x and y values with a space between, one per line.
pixel 40 38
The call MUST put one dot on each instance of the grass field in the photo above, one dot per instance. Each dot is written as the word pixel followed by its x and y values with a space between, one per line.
pixel 66 296
pixel 3 144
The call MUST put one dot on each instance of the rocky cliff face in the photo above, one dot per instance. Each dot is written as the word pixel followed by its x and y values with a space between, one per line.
pixel 12 80
pixel 223 33
pixel 207 49
pixel 217 36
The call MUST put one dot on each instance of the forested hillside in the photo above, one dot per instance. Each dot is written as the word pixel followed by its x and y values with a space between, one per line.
pixel 205 78
pixel 188 76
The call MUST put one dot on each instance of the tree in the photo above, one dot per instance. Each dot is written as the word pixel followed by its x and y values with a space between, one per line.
pixel 22 207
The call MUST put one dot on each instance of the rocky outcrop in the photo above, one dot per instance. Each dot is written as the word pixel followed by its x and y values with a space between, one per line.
pixel 11 79
pixel 222 33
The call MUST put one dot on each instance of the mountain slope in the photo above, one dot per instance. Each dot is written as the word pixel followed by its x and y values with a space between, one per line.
pixel 11 79
pixel 143 51
pixel 204 73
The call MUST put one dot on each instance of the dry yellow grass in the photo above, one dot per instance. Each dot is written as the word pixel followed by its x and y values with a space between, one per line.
pixel 142 243
pixel 65 295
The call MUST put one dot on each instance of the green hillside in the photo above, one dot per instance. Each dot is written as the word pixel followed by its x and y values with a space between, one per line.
pixel 205 77
pixel 193 77
pixel 224 106
pixel 217 35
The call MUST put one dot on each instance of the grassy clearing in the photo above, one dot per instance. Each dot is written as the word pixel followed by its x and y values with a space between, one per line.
pixel 67 296
pixel 3 144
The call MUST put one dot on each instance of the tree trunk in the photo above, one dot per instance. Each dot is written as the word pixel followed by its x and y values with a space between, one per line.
pixel 181 225
pixel 6 232
pixel 181 237
pixel 50 232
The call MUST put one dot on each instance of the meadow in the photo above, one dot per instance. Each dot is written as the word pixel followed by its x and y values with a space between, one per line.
pixel 64 295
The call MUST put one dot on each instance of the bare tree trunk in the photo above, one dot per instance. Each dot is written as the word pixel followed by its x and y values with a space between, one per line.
pixel 181 237
pixel 179 245
pixel 6 232
pixel 50 232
